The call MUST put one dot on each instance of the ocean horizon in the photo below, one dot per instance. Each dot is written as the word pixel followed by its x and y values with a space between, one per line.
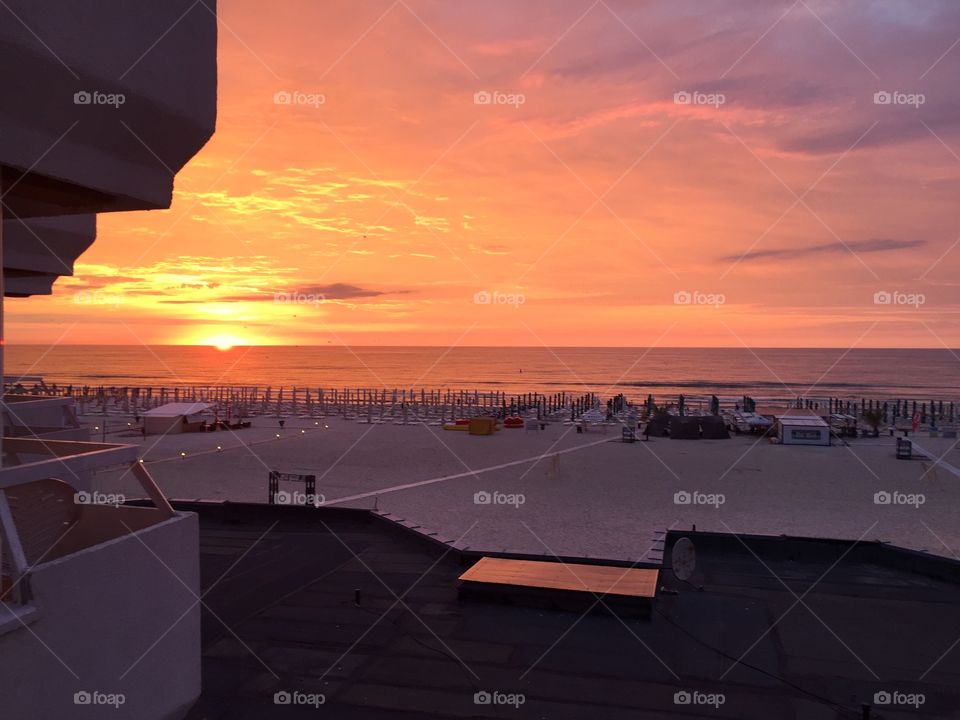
pixel 774 373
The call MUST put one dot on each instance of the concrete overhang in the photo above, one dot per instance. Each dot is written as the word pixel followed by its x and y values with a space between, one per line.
pixel 69 145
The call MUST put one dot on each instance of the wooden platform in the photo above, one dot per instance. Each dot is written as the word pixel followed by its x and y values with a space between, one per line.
pixel 562 586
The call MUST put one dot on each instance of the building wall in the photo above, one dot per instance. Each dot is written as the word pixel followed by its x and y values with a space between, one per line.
pixel 163 425
pixel 787 435
pixel 101 610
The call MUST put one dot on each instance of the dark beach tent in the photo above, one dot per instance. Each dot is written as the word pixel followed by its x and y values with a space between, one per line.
pixel 712 427
pixel 684 427
pixel 657 426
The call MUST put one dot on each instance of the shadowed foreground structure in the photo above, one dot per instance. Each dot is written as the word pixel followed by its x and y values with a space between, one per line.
pixel 98 116
pixel 819 636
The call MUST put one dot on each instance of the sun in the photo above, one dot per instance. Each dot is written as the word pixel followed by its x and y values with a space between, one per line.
pixel 223 343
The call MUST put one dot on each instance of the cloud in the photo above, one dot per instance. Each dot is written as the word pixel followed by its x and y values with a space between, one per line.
pixel 343 291
pixel 334 291
pixel 834 248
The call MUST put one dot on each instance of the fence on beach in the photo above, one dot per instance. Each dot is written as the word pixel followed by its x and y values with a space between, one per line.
pixel 447 403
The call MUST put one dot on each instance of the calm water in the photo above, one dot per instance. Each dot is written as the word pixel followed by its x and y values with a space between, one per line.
pixel 773 373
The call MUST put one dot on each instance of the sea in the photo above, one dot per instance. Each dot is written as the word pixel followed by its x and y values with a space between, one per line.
pixel 772 373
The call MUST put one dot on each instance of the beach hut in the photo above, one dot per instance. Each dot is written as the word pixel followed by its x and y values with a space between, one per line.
pixel 802 429
pixel 713 427
pixel 175 418
pixel 657 425
pixel 684 427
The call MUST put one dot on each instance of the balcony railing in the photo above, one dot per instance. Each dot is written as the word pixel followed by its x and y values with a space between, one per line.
pixel 59 462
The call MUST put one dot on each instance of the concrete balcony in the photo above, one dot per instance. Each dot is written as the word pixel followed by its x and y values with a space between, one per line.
pixel 103 103
pixel 42 417
pixel 100 600
pixel 37 251
pixel 108 102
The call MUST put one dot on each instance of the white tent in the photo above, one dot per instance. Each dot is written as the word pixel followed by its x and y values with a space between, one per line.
pixel 174 417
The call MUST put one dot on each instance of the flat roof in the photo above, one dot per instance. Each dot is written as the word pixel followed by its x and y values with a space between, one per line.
pixel 790 412
pixel 307 601
pixel 794 420
pixel 177 409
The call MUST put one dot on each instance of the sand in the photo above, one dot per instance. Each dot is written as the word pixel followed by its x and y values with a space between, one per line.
pixel 598 498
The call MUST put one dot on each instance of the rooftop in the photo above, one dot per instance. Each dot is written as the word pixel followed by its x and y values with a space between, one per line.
pixel 801 421
pixel 176 409
pixel 345 604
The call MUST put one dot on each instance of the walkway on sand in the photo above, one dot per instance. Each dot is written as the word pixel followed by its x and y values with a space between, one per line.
pixel 468 473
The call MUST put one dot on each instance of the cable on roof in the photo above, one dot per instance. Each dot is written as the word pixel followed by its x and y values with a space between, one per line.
pixel 855 714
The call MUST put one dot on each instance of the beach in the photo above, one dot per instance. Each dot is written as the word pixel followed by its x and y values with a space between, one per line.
pixel 559 492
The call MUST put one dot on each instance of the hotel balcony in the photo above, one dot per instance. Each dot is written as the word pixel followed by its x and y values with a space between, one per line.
pixel 99 606
pixel 100 601
pixel 42 416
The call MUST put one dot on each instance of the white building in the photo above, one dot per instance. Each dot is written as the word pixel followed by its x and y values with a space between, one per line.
pixel 175 418
pixel 802 428
pixel 102 103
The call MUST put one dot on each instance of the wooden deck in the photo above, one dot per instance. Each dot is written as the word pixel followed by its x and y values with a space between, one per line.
pixel 564 586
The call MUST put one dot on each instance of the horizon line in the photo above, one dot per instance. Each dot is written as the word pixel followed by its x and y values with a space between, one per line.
pixel 494 347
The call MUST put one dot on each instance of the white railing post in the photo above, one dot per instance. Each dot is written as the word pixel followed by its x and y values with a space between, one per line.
pixel 18 561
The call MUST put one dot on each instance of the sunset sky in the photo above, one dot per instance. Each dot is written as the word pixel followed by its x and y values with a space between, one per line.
pixel 588 201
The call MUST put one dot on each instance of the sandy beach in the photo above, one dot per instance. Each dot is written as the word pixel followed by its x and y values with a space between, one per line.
pixel 564 493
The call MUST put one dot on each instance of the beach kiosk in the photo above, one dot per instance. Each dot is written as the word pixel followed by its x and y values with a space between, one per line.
pixel 802 429
pixel 175 418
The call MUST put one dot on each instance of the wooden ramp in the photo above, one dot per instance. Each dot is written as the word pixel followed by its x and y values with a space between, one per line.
pixel 562 586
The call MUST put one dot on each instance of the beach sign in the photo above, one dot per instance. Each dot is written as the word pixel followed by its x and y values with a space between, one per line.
pixel 306 497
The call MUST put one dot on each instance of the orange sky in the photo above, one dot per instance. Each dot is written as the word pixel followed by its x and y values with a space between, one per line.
pixel 586 202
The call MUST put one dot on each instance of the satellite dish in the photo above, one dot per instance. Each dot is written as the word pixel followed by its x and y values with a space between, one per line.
pixel 684 557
